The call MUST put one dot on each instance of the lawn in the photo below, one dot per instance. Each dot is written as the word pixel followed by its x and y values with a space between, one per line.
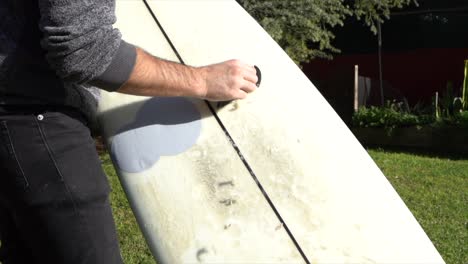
pixel 434 188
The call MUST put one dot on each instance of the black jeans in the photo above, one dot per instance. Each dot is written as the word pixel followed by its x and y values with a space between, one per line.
pixel 54 205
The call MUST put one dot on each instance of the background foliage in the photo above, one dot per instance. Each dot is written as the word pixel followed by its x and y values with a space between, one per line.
pixel 394 114
pixel 304 28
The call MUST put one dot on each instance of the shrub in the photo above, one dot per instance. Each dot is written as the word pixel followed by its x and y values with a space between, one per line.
pixel 389 117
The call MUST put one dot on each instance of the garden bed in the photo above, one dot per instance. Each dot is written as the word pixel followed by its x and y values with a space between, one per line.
pixel 446 139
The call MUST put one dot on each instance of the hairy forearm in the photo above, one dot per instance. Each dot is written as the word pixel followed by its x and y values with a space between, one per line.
pixel 152 76
pixel 224 81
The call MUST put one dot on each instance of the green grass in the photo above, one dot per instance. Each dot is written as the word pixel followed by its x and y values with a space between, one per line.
pixel 132 244
pixel 435 189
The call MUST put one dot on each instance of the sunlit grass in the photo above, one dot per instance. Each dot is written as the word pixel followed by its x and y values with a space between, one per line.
pixel 436 192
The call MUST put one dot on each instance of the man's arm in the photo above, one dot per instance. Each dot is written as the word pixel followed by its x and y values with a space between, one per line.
pixel 152 76
pixel 83 47
pixel 81 44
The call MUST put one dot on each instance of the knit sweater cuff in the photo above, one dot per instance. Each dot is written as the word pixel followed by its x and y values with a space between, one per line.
pixel 119 70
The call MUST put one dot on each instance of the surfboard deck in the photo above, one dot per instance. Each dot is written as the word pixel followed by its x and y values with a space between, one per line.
pixel 337 203
pixel 194 197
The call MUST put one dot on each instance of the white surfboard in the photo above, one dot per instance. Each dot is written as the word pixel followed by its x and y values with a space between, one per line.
pixel 192 196
pixel 290 185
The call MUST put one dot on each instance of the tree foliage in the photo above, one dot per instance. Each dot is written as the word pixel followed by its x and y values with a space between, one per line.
pixel 304 28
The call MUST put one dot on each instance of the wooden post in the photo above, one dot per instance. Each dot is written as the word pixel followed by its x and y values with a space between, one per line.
pixel 382 96
pixel 465 88
pixel 356 88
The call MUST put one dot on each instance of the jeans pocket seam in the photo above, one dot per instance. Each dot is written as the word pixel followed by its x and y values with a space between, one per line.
pixel 13 153
pixel 68 190
pixel 54 162
pixel 49 151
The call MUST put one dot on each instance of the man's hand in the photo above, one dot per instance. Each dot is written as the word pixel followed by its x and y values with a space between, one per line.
pixel 228 80
pixel 225 81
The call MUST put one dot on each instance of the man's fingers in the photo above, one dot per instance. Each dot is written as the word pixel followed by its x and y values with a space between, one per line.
pixel 243 65
pixel 241 94
pixel 251 77
pixel 250 69
pixel 249 87
pixel 230 80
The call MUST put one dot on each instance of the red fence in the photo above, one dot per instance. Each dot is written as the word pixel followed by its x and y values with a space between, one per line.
pixel 415 74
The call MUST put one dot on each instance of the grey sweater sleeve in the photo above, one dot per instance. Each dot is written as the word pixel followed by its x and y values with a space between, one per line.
pixel 81 44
